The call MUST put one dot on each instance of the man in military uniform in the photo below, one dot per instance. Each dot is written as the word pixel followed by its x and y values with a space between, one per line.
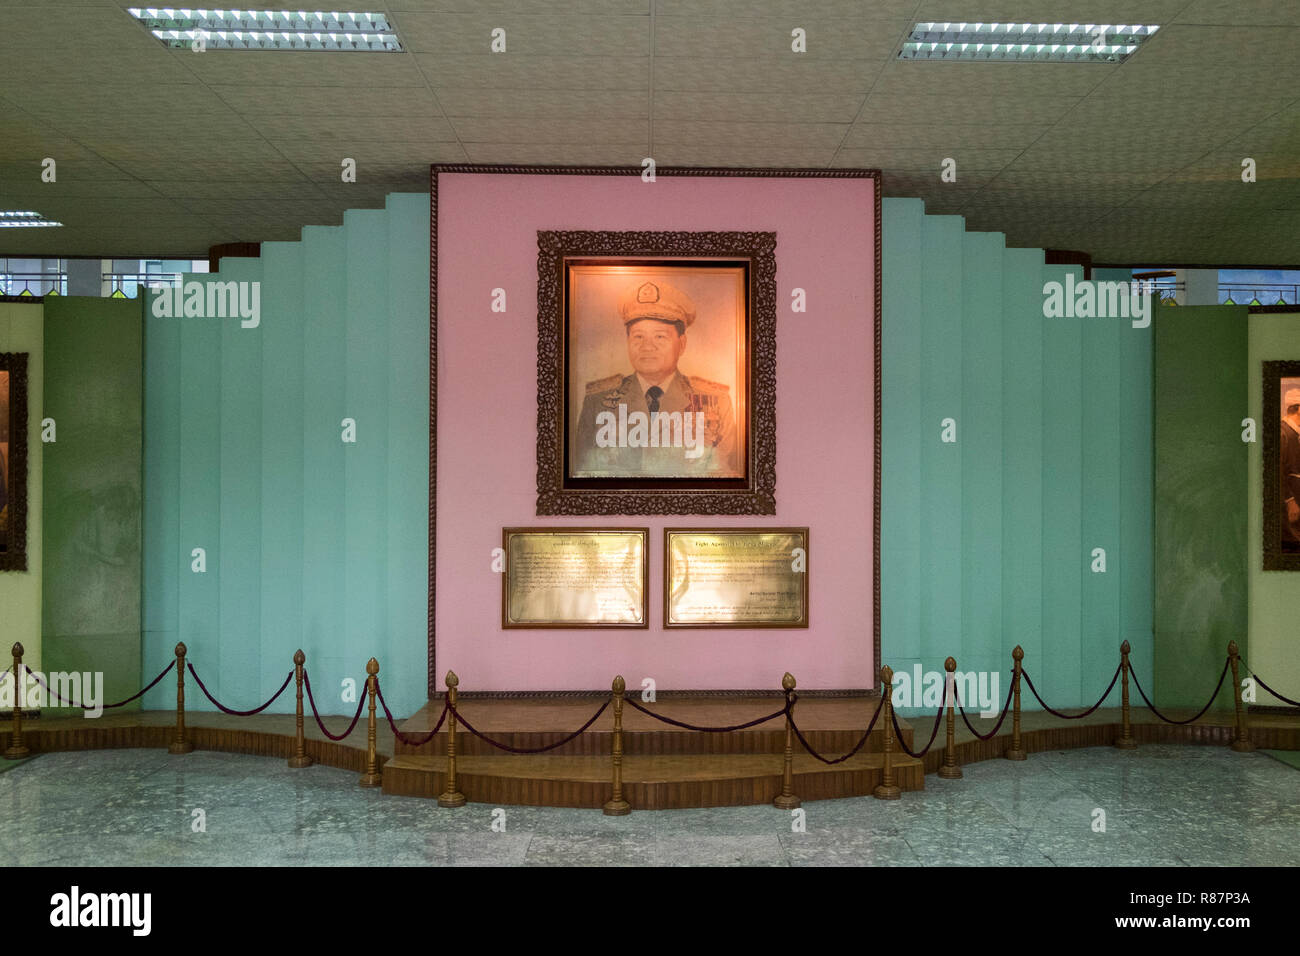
pixel 1289 471
pixel 656 422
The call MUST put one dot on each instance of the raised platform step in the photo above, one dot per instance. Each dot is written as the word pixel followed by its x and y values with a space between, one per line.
pixel 831 726
pixel 649 782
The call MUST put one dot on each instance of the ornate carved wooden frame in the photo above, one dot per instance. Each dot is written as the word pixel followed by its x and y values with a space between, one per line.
pixel 14 555
pixel 434 685
pixel 556 494
pixel 1275 559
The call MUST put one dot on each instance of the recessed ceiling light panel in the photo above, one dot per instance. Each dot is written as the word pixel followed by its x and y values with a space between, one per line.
pixel 301 30
pixel 24 219
pixel 1031 42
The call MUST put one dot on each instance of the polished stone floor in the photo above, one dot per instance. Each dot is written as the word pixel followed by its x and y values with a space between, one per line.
pixel 1162 805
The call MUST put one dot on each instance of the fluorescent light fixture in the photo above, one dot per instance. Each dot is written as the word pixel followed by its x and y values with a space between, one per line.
pixel 1032 42
pixel 24 219
pixel 301 30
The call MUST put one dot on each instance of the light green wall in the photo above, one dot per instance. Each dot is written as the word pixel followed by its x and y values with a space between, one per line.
pixel 1201 397
pixel 986 543
pixel 21 330
pixel 310 542
pixel 92 508
pixel 1274 595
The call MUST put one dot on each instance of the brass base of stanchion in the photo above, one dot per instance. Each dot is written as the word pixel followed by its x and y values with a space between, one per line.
pixel 612 808
pixel 180 747
pixel 451 800
pixel 1015 755
pixel 782 802
pixel 1126 743
pixel 297 763
pixel 891 792
pixel 950 773
pixel 1243 746
pixel 17 752
pixel 370 780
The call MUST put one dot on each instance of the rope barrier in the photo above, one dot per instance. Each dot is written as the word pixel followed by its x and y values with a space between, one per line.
pixel 121 703
pixel 1056 713
pixel 706 730
pixel 996 727
pixel 856 747
pixel 528 750
pixel 898 733
pixel 1152 707
pixel 1260 681
pixel 237 713
pixel 306 682
pixel 410 741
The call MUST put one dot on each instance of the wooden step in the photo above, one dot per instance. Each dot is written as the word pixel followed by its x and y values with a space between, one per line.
pixel 655 782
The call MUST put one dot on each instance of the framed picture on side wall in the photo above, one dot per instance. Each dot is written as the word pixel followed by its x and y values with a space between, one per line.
pixel 13 461
pixel 1281 428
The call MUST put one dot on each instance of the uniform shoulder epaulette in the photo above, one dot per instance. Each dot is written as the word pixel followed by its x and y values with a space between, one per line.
pixel 704 385
pixel 603 384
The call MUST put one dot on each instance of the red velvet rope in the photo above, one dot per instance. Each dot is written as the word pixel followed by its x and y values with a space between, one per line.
pixel 706 730
pixel 316 714
pixel 410 741
pixel 996 727
pixel 1056 713
pixel 1222 674
pixel 1260 681
pixel 137 695
pixel 898 732
pixel 237 713
pixel 828 760
pixel 531 750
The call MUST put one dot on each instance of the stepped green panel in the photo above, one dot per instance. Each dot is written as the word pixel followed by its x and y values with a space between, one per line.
pixel 941 398
pixel 1057 672
pixel 981 439
pixel 1022 455
pixel 902 382
pixel 281 498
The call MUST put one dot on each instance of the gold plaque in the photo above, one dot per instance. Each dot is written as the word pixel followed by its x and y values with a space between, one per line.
pixel 742 577
pixel 574 577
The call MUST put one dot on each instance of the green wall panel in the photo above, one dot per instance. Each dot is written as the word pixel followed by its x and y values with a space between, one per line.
pixel 1201 498
pixel 91 619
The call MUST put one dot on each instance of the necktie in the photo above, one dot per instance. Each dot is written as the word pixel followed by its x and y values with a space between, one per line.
pixel 652 397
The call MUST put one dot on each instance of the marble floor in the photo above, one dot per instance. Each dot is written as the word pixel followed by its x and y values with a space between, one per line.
pixel 1161 805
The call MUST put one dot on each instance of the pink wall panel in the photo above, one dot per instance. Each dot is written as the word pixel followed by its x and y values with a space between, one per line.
pixel 487 411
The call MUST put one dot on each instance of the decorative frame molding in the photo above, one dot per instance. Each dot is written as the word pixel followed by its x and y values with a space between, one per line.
pixel 556 494
pixel 14 555
pixel 1274 558
pixel 635 171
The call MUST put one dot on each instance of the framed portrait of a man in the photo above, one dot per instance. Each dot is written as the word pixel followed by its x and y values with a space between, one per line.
pixel 13 461
pixel 1281 428
pixel 655 376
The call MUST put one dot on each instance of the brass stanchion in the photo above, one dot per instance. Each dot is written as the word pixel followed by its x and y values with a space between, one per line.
pixel 16 749
pixel 888 790
pixel 786 800
pixel 1016 752
pixel 299 758
pixel 371 778
pixel 180 745
pixel 1126 741
pixel 950 770
pixel 451 797
pixel 616 806
pixel 1241 739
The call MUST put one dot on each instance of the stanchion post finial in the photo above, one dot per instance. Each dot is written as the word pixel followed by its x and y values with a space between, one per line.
pixel 949 769
pixel 181 745
pixel 1241 742
pixel 887 789
pixel 17 750
pixel 786 800
pixel 616 806
pixel 1016 752
pixel 451 797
